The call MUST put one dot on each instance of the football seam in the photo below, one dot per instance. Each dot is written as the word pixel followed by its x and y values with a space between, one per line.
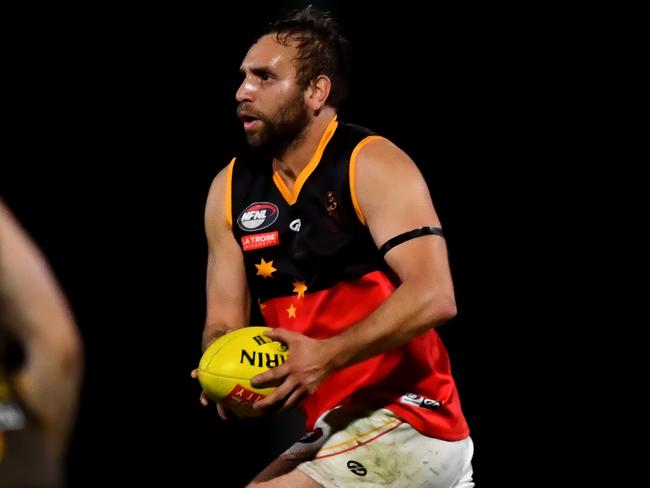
pixel 231 335
pixel 201 371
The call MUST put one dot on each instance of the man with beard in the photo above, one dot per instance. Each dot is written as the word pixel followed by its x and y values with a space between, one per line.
pixel 330 230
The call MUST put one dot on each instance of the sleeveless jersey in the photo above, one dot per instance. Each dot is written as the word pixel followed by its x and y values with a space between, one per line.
pixel 312 267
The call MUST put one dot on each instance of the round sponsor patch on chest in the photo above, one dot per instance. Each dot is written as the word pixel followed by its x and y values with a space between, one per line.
pixel 257 216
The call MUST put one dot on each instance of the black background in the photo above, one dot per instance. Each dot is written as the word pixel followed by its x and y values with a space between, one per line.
pixel 120 119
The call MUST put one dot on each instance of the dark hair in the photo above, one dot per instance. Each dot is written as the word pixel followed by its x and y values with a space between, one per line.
pixel 322 49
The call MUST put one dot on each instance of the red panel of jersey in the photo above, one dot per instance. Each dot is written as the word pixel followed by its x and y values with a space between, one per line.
pixel 413 381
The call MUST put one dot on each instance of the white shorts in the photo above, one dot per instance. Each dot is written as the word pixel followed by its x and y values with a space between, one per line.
pixel 377 449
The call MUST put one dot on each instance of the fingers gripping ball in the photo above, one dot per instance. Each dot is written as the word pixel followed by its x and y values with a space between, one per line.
pixel 229 363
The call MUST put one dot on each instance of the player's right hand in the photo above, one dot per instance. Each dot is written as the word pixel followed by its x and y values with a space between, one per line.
pixel 205 400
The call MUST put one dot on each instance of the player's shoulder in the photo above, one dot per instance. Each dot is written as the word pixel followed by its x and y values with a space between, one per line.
pixel 380 152
pixel 367 140
pixel 220 179
pixel 219 187
pixel 380 164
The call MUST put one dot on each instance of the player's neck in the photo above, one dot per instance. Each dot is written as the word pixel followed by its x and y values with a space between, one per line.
pixel 297 155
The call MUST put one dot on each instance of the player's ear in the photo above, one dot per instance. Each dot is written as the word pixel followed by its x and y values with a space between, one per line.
pixel 318 92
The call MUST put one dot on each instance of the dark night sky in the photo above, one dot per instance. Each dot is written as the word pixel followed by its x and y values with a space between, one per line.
pixel 120 121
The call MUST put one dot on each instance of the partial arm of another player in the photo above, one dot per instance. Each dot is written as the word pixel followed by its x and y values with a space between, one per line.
pixel 394 199
pixel 36 312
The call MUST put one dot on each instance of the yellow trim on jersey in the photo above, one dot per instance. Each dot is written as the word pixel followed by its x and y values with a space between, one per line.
pixel 228 206
pixel 353 175
pixel 292 195
pixel 286 193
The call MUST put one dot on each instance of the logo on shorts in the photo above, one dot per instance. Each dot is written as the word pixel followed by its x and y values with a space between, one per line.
pixel 420 401
pixel 258 216
pixel 357 468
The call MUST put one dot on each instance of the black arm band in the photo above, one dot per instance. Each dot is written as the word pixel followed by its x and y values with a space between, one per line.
pixel 407 236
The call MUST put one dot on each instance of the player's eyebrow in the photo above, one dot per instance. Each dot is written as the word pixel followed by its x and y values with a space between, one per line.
pixel 257 70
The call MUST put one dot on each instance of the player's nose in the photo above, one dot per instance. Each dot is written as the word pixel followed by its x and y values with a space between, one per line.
pixel 244 92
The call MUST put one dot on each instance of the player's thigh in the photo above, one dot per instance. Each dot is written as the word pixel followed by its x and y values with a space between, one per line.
pixel 380 450
pixel 292 479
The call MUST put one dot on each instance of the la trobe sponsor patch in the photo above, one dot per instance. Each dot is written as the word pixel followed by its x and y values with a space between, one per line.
pixel 258 241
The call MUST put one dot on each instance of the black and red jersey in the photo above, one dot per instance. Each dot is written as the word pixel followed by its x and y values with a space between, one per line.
pixel 312 267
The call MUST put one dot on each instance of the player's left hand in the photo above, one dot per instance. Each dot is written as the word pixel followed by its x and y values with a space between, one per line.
pixel 309 362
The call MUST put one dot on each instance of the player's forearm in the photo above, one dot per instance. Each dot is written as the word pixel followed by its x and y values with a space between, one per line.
pixel 213 330
pixel 227 310
pixel 409 311
pixel 49 384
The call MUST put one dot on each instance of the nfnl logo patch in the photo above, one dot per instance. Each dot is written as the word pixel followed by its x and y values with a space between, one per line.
pixel 258 241
pixel 257 216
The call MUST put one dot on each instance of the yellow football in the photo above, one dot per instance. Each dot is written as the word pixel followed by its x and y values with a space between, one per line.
pixel 228 364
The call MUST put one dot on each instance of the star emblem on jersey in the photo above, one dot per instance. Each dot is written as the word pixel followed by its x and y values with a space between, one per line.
pixel 265 269
pixel 300 288
pixel 292 311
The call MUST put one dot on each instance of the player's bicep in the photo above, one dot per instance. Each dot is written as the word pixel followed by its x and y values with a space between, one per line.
pixel 394 199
